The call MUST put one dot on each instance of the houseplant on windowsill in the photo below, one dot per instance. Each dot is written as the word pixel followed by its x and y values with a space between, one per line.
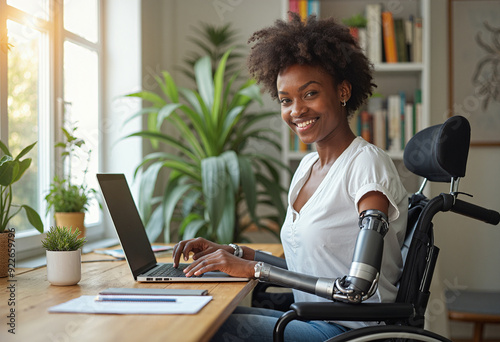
pixel 63 250
pixel 11 171
pixel 70 201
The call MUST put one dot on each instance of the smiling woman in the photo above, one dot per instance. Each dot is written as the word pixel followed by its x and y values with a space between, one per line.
pixel 311 104
pixel 320 76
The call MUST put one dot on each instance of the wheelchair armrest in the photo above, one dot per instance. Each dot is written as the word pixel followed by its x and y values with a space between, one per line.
pixel 334 311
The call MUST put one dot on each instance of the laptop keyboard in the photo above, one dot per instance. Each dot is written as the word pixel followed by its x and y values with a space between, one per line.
pixel 167 270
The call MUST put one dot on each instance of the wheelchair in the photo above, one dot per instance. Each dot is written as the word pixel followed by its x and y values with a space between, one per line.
pixel 438 154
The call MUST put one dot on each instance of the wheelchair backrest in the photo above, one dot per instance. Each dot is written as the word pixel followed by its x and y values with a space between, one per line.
pixel 438 153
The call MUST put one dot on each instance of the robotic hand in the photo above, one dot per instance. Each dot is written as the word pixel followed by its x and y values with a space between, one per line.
pixel 362 280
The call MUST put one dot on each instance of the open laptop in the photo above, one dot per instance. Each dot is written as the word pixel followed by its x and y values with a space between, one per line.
pixel 134 241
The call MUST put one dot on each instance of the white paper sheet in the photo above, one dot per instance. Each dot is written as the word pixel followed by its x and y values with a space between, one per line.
pixel 87 304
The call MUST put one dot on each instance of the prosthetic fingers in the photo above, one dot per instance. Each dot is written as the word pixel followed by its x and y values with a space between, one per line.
pixel 362 280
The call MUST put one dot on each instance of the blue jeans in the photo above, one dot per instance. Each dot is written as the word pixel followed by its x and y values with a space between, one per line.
pixel 257 324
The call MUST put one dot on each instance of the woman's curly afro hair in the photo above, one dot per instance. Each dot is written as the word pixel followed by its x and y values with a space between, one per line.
pixel 323 43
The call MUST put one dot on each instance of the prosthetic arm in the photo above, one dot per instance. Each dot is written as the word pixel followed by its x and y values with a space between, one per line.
pixel 362 280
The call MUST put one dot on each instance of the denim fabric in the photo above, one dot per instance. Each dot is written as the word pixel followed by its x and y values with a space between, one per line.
pixel 257 324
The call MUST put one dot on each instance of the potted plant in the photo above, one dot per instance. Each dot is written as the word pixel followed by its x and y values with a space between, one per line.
pixel 214 181
pixel 70 201
pixel 11 171
pixel 63 250
pixel 357 26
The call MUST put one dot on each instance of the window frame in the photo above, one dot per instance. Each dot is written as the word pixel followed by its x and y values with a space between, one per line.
pixel 50 114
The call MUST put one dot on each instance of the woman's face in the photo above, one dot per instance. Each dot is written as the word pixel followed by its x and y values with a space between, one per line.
pixel 311 103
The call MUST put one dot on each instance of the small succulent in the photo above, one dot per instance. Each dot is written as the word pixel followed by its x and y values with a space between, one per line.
pixel 62 239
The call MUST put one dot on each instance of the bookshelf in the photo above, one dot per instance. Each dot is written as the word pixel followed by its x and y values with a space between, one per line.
pixel 391 78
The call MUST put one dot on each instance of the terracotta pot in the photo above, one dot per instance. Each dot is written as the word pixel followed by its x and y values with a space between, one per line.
pixel 71 220
pixel 64 267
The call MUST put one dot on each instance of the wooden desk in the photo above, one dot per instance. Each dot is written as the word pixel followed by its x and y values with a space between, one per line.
pixel 34 295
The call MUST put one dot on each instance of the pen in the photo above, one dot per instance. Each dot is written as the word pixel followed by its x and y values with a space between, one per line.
pixel 134 299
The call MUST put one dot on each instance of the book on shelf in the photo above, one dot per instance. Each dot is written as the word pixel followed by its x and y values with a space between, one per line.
pixel 390 122
pixel 293 6
pixel 400 35
pixel 374 32
pixel 394 117
pixel 391 54
pixel 304 7
pixel 313 7
pixel 392 39
pixel 409 39
pixel 417 41
pixel 417 111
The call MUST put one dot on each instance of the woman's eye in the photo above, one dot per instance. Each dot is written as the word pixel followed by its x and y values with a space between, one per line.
pixel 311 93
pixel 284 101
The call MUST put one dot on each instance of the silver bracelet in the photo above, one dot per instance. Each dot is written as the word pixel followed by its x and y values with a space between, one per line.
pixel 238 251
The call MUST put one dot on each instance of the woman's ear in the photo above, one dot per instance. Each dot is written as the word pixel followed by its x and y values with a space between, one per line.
pixel 345 88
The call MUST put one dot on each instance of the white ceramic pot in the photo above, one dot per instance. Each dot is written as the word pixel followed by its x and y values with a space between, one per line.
pixel 64 267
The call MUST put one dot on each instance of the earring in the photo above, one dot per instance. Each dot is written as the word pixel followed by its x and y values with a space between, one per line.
pixel 343 104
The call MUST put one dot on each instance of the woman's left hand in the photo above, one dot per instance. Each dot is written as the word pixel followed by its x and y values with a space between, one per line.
pixel 223 261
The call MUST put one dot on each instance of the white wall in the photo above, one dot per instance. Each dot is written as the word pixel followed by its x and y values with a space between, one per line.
pixel 469 254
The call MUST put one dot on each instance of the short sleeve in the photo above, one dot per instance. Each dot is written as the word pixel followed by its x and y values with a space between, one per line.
pixel 373 170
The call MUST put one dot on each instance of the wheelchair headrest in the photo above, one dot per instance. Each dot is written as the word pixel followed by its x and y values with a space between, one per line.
pixel 440 152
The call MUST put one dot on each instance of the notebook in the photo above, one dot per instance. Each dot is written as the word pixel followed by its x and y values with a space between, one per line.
pixel 134 241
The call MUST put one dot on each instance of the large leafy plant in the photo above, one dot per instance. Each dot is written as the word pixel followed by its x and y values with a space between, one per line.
pixel 213 181
pixel 11 171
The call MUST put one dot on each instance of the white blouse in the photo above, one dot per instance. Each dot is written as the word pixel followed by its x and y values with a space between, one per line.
pixel 319 240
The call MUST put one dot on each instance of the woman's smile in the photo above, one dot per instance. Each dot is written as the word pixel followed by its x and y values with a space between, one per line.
pixel 304 125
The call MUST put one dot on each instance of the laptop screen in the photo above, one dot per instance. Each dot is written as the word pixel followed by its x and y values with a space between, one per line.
pixel 127 221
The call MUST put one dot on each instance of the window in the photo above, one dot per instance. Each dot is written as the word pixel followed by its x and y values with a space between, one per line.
pixel 49 78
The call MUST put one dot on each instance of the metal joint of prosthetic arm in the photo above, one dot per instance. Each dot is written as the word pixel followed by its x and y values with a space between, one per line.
pixel 361 282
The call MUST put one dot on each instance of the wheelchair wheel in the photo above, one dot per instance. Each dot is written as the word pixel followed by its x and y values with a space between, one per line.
pixel 389 333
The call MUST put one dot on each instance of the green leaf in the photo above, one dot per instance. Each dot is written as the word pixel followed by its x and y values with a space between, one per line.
pixel 173 194
pixel 183 168
pixel 190 201
pixel 147 186
pixel 249 185
pixel 33 218
pixel 155 224
pixel 145 95
pixel 214 179
pixel 190 96
pixel 225 229
pixel 171 88
pixel 165 112
pixel 148 110
pixel 25 151
pixel 230 121
pixel 253 92
pixel 165 139
pixel 5 149
pixel 219 87
pixel 275 192
pixel 23 166
pixel 191 225
pixel 232 167
pixel 8 172
pixel 203 72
